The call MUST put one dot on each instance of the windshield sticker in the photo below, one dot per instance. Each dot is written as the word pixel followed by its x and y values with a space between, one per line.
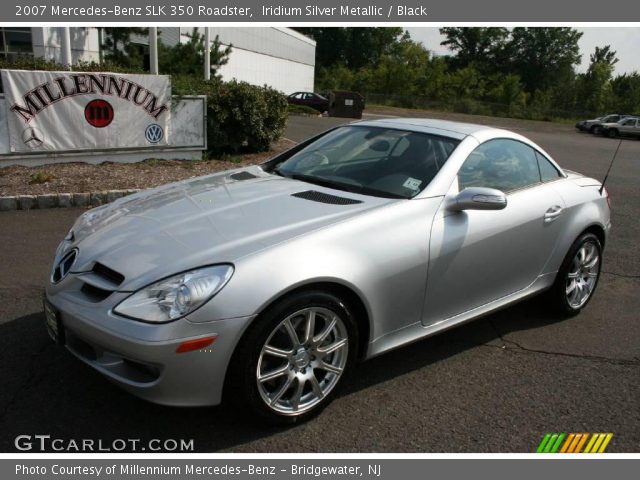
pixel 412 183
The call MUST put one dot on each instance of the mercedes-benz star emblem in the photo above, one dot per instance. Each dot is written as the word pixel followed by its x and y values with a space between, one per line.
pixel 32 137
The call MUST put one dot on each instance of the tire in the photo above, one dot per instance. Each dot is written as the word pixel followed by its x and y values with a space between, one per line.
pixel 596 130
pixel 568 302
pixel 282 383
pixel 613 132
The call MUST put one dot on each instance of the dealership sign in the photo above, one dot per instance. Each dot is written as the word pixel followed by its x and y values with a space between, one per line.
pixel 62 111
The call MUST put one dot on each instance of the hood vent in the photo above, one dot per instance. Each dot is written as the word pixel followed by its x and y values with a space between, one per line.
pixel 108 274
pixel 242 176
pixel 322 197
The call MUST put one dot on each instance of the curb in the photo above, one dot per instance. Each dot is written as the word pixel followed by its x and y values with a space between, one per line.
pixel 62 200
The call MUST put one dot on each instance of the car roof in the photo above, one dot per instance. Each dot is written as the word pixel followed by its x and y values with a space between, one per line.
pixel 457 130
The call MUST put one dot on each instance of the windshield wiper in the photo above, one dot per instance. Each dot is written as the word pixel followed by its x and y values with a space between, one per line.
pixel 347 187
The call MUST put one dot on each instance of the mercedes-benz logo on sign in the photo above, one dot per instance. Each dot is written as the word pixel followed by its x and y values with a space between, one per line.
pixel 32 137
pixel 154 133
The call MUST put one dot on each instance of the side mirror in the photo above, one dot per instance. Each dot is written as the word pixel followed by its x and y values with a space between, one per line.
pixel 479 198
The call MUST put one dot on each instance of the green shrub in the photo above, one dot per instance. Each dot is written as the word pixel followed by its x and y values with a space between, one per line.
pixel 41 176
pixel 29 62
pixel 240 116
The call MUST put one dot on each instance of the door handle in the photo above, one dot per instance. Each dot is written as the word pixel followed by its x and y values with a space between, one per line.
pixel 552 213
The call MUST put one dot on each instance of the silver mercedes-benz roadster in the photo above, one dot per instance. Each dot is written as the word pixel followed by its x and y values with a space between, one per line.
pixel 267 283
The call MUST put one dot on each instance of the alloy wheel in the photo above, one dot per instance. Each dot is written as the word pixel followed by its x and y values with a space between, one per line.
pixel 583 275
pixel 302 360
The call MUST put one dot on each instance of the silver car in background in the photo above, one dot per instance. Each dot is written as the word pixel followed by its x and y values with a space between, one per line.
pixel 629 127
pixel 595 125
pixel 267 283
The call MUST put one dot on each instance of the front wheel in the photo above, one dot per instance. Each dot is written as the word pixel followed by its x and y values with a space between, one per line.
pixel 578 276
pixel 292 360
pixel 613 132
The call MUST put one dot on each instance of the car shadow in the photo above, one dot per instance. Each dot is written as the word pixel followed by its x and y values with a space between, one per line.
pixel 47 391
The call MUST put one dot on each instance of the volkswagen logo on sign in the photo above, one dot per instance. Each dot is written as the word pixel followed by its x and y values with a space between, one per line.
pixel 32 137
pixel 154 133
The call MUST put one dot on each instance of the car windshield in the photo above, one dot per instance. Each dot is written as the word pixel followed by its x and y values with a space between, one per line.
pixel 371 160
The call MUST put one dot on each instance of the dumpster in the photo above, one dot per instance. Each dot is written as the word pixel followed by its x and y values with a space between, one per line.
pixel 345 104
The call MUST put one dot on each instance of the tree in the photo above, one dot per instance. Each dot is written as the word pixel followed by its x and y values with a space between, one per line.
pixel 543 57
pixel 188 58
pixel 119 47
pixel 596 83
pixel 480 46
pixel 625 90
pixel 353 47
pixel 605 56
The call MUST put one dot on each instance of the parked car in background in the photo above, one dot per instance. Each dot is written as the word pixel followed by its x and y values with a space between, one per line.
pixel 268 283
pixel 309 99
pixel 629 126
pixel 595 125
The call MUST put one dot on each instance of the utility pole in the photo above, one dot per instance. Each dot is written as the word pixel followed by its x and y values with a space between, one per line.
pixel 153 50
pixel 67 60
pixel 207 54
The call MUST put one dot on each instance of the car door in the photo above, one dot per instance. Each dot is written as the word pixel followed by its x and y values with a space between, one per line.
pixel 296 98
pixel 479 256
pixel 628 126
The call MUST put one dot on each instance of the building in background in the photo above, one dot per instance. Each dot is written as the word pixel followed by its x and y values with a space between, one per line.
pixel 279 57
pixel 276 56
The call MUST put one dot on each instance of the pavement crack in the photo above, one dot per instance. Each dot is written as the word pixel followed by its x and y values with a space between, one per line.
pixel 515 346
pixel 498 333
pixel 31 373
pixel 623 275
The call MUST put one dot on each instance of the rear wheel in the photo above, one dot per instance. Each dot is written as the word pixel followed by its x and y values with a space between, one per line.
pixel 578 276
pixel 293 359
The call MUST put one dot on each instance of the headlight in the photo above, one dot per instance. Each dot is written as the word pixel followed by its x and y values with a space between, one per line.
pixel 176 296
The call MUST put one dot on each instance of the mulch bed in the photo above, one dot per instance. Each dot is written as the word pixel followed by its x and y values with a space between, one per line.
pixel 83 177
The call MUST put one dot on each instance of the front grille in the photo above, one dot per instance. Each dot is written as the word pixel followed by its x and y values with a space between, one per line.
pixel 108 273
pixel 242 176
pixel 322 197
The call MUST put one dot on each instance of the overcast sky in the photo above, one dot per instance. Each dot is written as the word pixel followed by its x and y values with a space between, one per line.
pixel 624 40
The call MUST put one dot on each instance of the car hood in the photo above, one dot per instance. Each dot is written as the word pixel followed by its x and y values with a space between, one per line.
pixel 205 220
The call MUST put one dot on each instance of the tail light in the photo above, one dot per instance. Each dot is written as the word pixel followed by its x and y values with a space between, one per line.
pixel 608 197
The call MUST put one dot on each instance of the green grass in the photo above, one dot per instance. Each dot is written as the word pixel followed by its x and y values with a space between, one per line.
pixel 152 162
pixel 550 119
pixel 302 109
pixel 230 157
pixel 39 177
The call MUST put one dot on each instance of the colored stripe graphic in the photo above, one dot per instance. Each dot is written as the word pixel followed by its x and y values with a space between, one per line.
pixel 567 442
pixel 607 439
pixel 581 443
pixel 574 442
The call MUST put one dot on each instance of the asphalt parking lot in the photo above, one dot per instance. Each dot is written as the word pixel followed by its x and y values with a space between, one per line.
pixel 495 385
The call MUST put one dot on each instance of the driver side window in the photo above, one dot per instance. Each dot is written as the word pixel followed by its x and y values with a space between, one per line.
pixel 503 164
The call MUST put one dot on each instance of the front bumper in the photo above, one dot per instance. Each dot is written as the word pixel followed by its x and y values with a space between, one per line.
pixel 141 358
